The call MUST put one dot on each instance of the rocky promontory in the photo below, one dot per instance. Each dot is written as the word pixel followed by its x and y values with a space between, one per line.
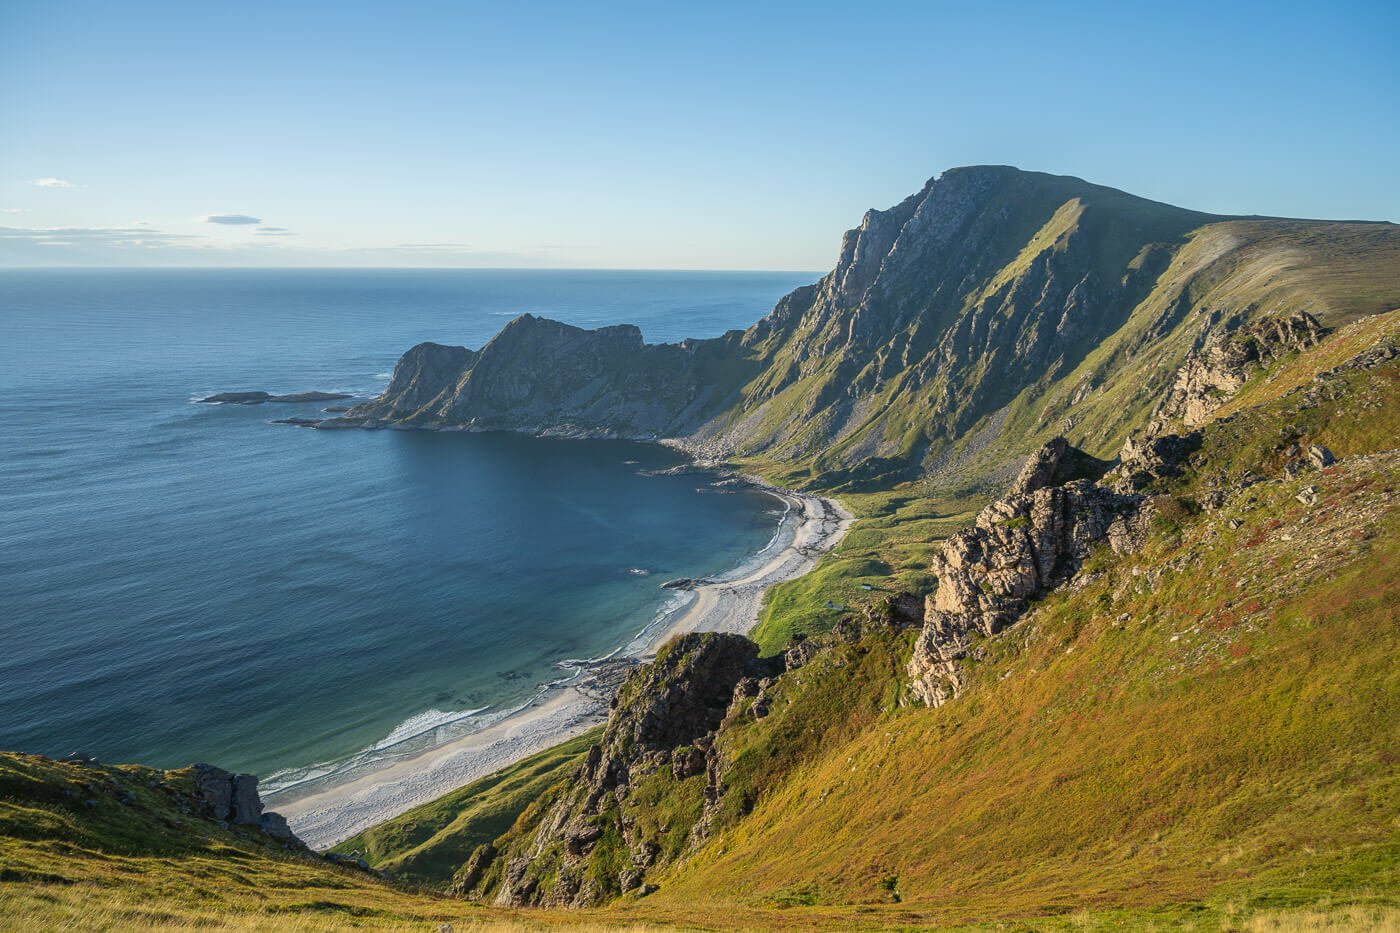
pixel 544 376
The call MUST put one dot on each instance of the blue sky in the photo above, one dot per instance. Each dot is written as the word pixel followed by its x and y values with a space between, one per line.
pixel 653 135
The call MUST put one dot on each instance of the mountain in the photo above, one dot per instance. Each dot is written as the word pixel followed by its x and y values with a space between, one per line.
pixel 1165 679
pixel 1111 645
pixel 991 310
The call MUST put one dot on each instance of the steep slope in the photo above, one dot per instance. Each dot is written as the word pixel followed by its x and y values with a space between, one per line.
pixel 1055 691
pixel 431 844
pixel 959 329
pixel 1212 718
pixel 1199 724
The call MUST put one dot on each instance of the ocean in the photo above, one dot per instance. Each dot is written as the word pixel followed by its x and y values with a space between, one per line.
pixel 183 582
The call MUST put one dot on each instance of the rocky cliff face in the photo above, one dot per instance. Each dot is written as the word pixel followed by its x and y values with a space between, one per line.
pixel 584 850
pixel 1065 502
pixel 988 293
pixel 1020 548
pixel 1227 356
pixel 233 798
pixel 542 376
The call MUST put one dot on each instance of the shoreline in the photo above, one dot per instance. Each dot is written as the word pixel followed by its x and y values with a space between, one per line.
pixel 730 603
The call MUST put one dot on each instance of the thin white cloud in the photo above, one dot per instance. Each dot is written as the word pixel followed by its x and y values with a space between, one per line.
pixel 231 220
pixel 53 183
pixel 11 210
pixel 107 236
pixel 273 231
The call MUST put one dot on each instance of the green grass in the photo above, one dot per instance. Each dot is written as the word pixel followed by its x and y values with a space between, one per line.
pixel 428 844
pixel 1187 739
pixel 1201 736
pixel 1099 764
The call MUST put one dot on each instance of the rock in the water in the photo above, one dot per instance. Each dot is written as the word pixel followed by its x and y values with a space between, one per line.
pixel 259 398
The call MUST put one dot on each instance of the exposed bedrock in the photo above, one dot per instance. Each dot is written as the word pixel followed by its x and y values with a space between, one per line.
pixel 1020 548
pixel 233 798
pixel 659 720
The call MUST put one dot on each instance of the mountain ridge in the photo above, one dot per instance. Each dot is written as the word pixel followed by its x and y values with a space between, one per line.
pixel 979 297
pixel 1111 645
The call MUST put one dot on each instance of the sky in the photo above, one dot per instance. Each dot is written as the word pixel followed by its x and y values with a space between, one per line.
pixel 654 135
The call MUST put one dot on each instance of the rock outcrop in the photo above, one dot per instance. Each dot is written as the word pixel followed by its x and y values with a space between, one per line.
pixel 584 851
pixel 1226 358
pixel 1065 502
pixel 543 376
pixel 989 286
pixel 259 398
pixel 1020 548
pixel 233 798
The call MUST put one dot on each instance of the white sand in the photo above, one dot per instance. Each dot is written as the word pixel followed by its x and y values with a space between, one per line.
pixel 327 816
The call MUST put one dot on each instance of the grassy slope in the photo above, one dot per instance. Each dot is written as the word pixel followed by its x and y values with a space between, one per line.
pixel 1203 730
pixel 429 843
pixel 1336 271
pixel 1241 767
pixel 1202 735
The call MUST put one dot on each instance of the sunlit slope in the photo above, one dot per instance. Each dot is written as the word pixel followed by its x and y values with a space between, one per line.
pixel 959 329
pixel 428 844
pixel 1203 732
pixel 1213 720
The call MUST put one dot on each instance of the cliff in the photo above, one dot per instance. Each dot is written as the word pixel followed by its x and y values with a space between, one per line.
pixel 983 315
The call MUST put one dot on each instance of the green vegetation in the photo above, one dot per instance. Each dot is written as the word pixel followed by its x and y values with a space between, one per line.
pixel 889 550
pixel 428 844
pixel 1199 736
pixel 1198 733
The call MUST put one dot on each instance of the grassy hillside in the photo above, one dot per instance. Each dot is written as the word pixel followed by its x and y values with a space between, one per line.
pixel 1212 722
pixel 428 844
pixel 1200 735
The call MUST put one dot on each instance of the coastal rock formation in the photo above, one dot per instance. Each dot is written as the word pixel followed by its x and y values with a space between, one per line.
pixel 233 798
pixel 1019 548
pixel 424 374
pixel 548 377
pixel 989 290
pixel 659 719
pixel 259 398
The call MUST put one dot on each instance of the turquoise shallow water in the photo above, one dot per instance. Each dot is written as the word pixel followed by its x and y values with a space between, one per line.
pixel 182 582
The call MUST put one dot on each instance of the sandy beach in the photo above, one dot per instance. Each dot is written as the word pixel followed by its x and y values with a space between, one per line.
pixel 729 603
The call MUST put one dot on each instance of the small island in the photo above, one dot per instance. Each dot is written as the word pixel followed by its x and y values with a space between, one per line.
pixel 259 398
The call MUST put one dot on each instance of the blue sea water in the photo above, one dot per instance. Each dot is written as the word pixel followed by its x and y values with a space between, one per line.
pixel 184 582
